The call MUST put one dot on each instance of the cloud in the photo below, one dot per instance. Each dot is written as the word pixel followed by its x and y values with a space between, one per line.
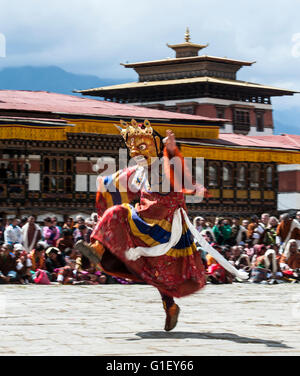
pixel 95 36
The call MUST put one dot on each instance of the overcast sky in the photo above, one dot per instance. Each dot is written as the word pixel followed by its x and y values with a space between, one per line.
pixel 95 36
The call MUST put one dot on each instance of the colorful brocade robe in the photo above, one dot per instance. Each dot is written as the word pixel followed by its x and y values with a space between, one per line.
pixel 123 225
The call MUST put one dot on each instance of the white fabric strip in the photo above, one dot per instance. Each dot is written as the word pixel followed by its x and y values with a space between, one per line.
pixel 214 253
pixel 134 254
pixel 160 249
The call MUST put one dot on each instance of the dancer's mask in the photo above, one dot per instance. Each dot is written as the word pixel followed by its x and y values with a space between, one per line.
pixel 143 142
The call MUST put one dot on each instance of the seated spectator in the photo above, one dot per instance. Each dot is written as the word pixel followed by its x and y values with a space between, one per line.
pixel 209 259
pixel 216 274
pixel 290 259
pixel 199 223
pixel 90 224
pixel 208 236
pixel 267 268
pixel 66 241
pixel 257 251
pixel 8 265
pixel 54 261
pixel 71 255
pixel 65 275
pixel 79 221
pixel 24 264
pixel 94 217
pixel 82 233
pixel 69 224
pixel 239 259
pixel 203 256
pixel 37 257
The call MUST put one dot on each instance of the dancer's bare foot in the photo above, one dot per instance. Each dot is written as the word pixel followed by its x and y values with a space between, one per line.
pixel 172 317
pixel 85 249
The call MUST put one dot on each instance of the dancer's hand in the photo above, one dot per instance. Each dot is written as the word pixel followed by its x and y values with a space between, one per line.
pixel 170 142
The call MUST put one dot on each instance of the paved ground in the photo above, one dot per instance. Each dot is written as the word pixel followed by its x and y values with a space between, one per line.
pixel 239 319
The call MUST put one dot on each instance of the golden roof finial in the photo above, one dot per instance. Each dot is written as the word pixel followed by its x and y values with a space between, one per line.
pixel 187 35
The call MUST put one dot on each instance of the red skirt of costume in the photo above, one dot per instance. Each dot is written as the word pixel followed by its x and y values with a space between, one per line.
pixel 177 273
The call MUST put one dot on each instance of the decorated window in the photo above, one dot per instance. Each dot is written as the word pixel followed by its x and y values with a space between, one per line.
pixel 254 176
pixel 68 185
pixel 46 184
pixel 259 121
pixel 53 165
pixel 227 175
pixel 213 175
pixel 269 177
pixel 46 165
pixel 241 176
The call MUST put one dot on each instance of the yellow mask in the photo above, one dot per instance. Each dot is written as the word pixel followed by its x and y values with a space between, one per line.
pixel 140 140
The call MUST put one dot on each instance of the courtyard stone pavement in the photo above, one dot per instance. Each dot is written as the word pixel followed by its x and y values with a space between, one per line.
pixel 115 320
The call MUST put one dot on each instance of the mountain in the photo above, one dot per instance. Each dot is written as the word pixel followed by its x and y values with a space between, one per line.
pixel 51 78
pixel 287 121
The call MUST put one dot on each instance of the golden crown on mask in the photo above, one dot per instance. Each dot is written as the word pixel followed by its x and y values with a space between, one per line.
pixel 135 129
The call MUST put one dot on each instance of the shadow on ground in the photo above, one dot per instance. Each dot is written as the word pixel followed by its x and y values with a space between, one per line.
pixel 215 336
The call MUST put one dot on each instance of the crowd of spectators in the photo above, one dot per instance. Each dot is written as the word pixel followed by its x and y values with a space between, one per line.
pixel 43 254
pixel 266 247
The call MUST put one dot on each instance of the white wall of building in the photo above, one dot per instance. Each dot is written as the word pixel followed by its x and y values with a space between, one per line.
pixel 34 181
pixel 288 201
pixel 288 167
pixel 207 100
pixel 93 183
pixel 81 183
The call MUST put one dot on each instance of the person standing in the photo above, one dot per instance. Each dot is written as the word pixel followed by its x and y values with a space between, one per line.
pixel 2 229
pixel 31 234
pixel 260 230
pixel 291 256
pixel 222 231
pixel 287 229
pixel 238 233
pixel 252 235
pixel 13 233
pixel 50 232
pixel 270 234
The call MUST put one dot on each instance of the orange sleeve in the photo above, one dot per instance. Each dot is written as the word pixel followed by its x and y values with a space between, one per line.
pixel 180 177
